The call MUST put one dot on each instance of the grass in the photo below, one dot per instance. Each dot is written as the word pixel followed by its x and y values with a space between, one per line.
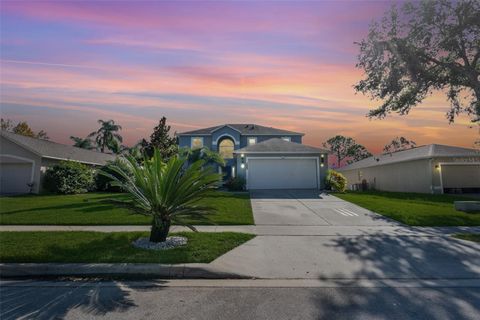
pixel 414 209
pixel 95 209
pixel 468 236
pixel 97 247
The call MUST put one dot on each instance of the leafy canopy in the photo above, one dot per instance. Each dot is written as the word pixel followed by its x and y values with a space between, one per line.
pixel 346 148
pixel 22 128
pixel 423 47
pixel 107 136
pixel 398 144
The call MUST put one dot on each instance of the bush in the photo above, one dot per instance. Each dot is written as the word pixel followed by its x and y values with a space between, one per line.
pixel 336 181
pixel 235 184
pixel 102 182
pixel 69 177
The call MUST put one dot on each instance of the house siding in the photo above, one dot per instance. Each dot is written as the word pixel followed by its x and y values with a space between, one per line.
pixel 409 176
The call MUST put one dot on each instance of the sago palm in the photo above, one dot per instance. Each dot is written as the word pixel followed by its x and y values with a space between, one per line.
pixel 167 191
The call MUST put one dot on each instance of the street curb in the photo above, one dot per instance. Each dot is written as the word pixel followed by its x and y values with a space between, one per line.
pixel 141 270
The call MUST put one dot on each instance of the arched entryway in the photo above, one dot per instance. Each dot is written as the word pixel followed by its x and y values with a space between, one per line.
pixel 226 146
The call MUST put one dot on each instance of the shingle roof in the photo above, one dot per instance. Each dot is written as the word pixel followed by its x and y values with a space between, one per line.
pixel 422 152
pixel 277 145
pixel 50 149
pixel 244 129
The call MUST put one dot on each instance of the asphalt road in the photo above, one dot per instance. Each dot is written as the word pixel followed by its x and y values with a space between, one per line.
pixel 228 299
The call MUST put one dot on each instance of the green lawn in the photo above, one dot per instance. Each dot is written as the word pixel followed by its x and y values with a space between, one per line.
pixel 95 209
pixel 468 236
pixel 413 208
pixel 97 247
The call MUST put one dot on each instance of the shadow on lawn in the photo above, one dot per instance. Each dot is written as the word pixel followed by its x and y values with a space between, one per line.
pixel 54 300
pixel 103 203
pixel 418 259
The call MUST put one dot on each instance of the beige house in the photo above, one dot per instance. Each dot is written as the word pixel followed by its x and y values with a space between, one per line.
pixel 427 169
pixel 23 160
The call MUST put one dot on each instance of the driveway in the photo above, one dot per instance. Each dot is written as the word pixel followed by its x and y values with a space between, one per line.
pixel 310 208
pixel 368 254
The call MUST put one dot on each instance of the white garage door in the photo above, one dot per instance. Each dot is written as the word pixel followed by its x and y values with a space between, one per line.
pixel 287 173
pixel 461 176
pixel 14 177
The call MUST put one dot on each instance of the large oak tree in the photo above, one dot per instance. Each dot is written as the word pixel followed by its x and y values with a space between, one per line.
pixel 423 47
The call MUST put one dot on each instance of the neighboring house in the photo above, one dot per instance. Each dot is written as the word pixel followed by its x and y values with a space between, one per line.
pixel 23 160
pixel 268 158
pixel 432 168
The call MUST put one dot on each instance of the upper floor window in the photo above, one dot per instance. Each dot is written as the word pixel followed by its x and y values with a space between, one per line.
pixel 225 148
pixel 287 139
pixel 196 142
pixel 251 141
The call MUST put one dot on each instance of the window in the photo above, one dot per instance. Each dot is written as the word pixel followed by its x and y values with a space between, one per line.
pixel 251 141
pixel 287 139
pixel 196 142
pixel 225 148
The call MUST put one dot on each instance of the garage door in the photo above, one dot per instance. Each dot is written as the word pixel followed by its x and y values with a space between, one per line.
pixel 14 177
pixel 461 176
pixel 287 173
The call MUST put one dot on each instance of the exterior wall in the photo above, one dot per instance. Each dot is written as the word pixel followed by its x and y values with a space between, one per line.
pixel 10 148
pixel 185 141
pixel 242 172
pixel 410 176
pixel 423 176
pixel 261 138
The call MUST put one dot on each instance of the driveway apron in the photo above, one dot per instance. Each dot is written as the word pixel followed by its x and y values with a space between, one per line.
pixel 373 255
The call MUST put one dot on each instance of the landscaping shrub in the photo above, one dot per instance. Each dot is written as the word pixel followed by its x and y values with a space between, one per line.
pixel 102 182
pixel 235 184
pixel 69 177
pixel 336 181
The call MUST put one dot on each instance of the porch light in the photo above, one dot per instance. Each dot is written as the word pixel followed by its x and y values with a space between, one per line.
pixel 242 166
pixel 322 165
pixel 242 155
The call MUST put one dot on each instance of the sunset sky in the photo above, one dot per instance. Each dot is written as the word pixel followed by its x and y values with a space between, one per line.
pixel 285 64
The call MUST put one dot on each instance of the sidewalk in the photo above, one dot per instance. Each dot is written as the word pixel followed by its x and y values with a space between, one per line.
pixel 270 230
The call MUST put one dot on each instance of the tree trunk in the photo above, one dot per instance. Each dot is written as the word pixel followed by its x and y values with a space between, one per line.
pixel 159 231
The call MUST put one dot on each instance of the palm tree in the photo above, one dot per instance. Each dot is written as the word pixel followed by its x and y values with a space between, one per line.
pixel 106 136
pixel 166 191
pixel 82 143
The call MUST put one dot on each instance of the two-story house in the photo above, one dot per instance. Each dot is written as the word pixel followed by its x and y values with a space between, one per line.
pixel 268 158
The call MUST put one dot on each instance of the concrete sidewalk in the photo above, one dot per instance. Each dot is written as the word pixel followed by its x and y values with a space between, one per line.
pixel 270 230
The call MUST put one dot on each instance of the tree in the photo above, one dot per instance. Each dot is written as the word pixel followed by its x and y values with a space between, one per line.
pixel 208 156
pixel 166 191
pixel 107 136
pixel 425 46
pixel 398 144
pixel 358 152
pixel 346 147
pixel 6 124
pixel 161 139
pixel 22 128
pixel 84 143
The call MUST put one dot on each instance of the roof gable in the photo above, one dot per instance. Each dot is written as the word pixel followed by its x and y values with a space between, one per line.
pixel 244 129
pixel 53 150
pixel 418 153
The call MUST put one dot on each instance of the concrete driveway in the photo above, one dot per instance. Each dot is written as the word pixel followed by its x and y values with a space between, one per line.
pixel 310 208
pixel 370 254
